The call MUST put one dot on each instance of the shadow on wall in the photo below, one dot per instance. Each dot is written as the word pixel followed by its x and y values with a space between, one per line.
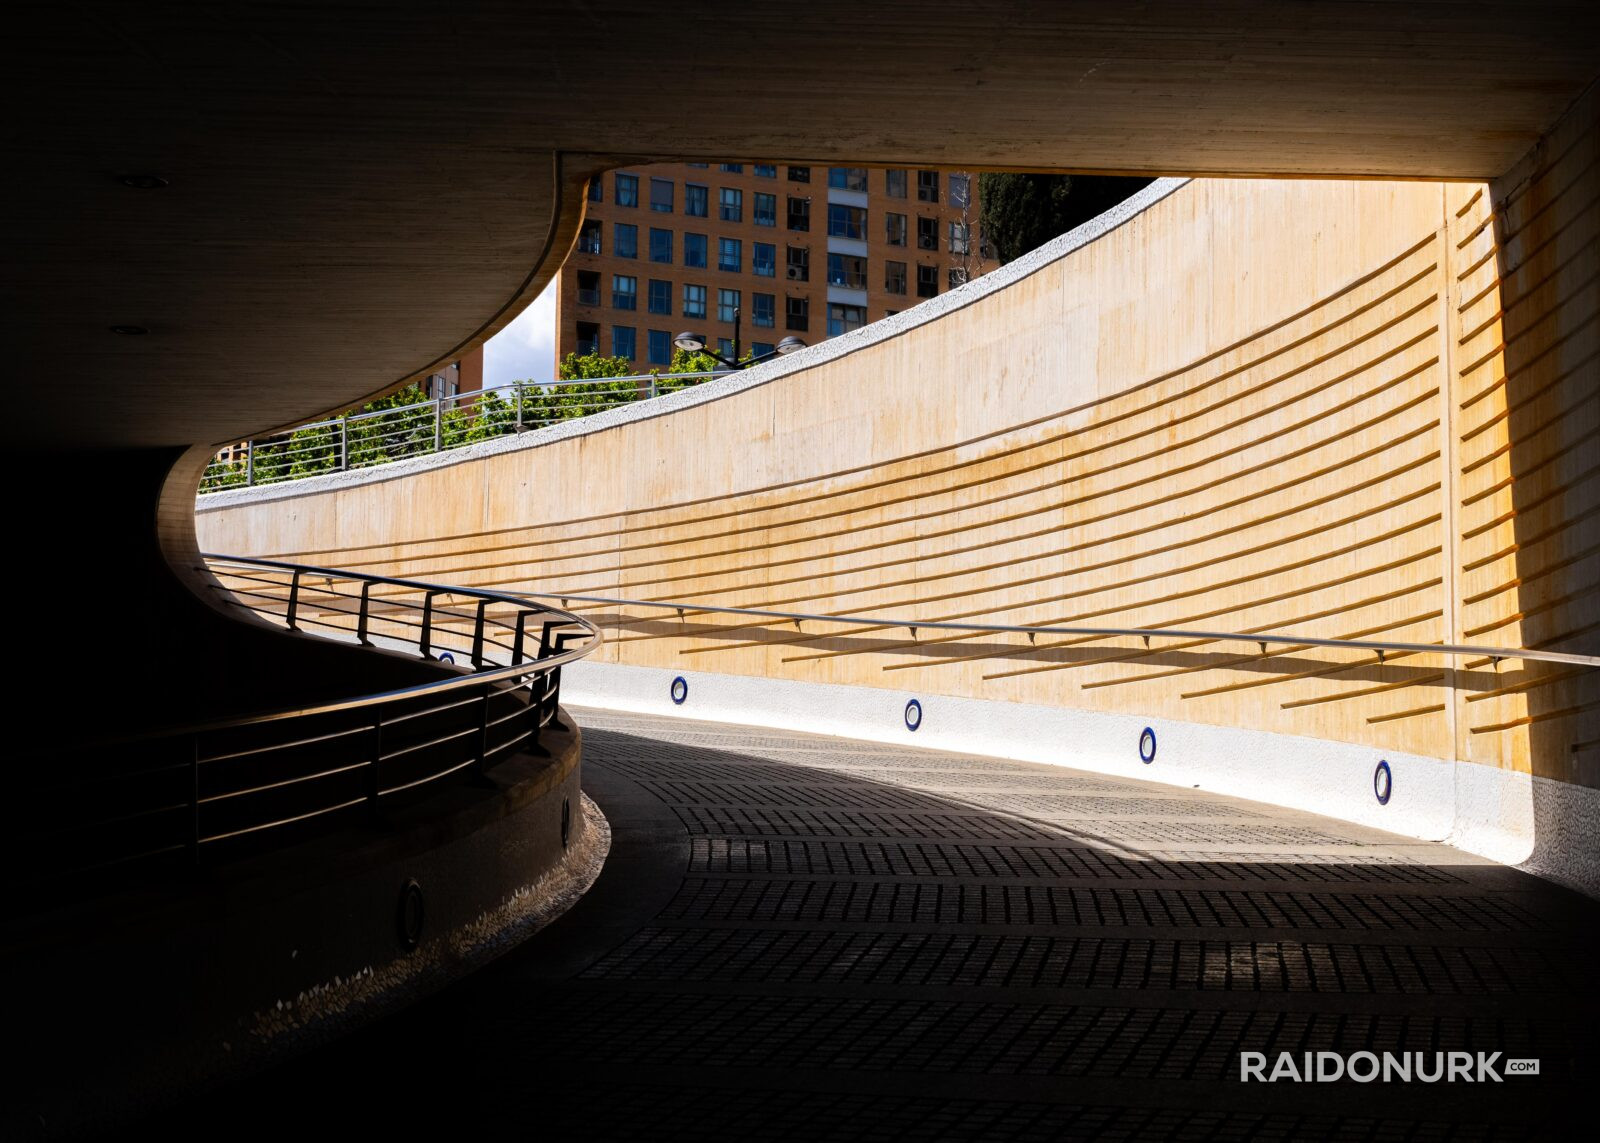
pixel 1548 256
pixel 1008 657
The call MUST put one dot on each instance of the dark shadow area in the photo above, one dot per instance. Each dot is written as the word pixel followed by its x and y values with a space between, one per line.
pixel 798 937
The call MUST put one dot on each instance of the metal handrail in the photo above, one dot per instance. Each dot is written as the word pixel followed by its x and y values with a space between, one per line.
pixel 686 607
pixel 205 788
pixel 381 698
pixel 419 428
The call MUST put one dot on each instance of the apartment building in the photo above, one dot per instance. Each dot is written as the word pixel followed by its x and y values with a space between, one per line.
pixel 795 250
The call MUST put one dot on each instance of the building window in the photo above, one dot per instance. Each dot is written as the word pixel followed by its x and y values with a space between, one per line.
pixel 660 300
pixel 624 292
pixel 895 229
pixel 624 240
pixel 958 277
pixel 799 213
pixel 927 233
pixel 694 301
pixel 764 259
pixel 623 341
pixel 766 209
pixel 760 348
pixel 730 204
pixel 660 245
pixel 626 192
pixel 927 186
pixel 589 238
pixel 927 281
pixel 695 199
pixel 798 314
pixel 694 251
pixel 765 171
pixel 799 264
pixel 960 190
pixel 596 190
pixel 725 347
pixel 733 168
pixel 588 338
pixel 848 178
pixel 661 195
pixel 847 270
pixel 702 166
pixel 730 255
pixel 764 310
pixel 846 221
pixel 727 303
pixel 660 347
pixel 588 287
pixel 960 238
pixel 894 184
pixel 894 277
pixel 843 319
pixel 799 174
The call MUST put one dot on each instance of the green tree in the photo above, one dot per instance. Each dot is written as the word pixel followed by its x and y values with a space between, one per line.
pixel 1022 212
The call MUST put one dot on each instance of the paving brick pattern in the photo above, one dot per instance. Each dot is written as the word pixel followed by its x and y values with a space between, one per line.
pixel 828 940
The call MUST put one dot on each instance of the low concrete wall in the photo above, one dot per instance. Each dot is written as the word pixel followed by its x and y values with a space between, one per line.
pixel 1480 809
pixel 265 957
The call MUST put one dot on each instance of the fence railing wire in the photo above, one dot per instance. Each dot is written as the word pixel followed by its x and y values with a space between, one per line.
pixel 374 436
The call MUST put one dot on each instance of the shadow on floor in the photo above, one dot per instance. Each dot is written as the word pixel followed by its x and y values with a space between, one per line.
pixel 798 937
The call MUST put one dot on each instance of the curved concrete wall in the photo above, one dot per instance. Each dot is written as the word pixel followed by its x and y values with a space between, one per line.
pixel 1350 409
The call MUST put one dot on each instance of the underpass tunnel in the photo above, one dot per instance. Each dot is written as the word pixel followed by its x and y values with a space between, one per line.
pixel 225 225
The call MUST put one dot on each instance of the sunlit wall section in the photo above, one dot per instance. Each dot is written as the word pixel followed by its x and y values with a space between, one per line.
pixel 1526 305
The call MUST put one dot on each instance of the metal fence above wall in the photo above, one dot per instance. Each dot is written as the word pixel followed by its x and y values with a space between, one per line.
pixel 377 435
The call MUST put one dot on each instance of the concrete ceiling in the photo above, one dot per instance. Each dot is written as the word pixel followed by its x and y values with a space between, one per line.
pixel 357 191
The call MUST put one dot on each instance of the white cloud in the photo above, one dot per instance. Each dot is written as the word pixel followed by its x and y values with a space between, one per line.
pixel 526 349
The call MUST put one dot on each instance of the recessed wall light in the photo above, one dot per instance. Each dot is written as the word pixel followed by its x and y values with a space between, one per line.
pixel 143 182
pixel 130 330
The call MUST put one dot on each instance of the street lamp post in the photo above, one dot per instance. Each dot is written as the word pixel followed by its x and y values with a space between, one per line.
pixel 696 343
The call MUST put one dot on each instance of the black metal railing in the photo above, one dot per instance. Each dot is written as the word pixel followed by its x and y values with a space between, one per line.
pixel 191 795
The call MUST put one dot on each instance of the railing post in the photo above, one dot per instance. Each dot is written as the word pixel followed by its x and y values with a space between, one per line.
pixel 438 423
pixel 344 443
pixel 519 405
pixel 361 616
pixel 483 730
pixel 249 464
pixel 555 680
pixel 516 642
pixel 374 787
pixel 652 390
pixel 194 802
pixel 425 644
pixel 477 635
pixel 294 600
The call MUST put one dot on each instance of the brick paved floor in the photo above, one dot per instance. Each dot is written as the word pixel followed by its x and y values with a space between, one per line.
pixel 807 938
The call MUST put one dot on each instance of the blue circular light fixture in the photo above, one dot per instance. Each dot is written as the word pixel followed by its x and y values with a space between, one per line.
pixel 1383 782
pixel 446 657
pixel 1147 746
pixel 680 690
pixel 913 715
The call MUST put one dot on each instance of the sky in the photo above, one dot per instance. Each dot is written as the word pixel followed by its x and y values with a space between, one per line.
pixel 526 349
